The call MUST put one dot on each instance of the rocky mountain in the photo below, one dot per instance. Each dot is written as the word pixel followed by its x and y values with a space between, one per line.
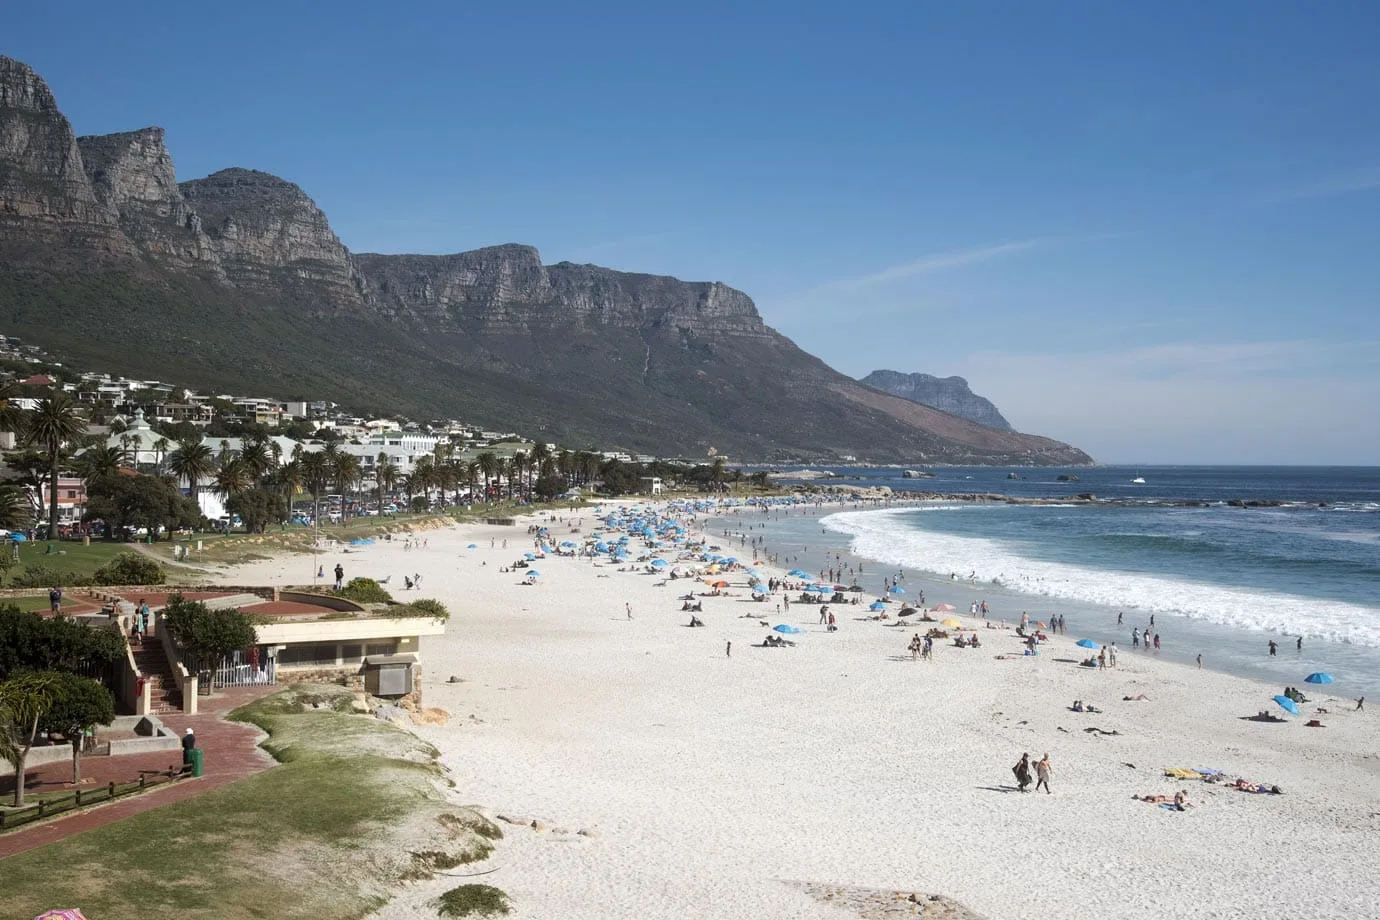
pixel 236 282
pixel 947 394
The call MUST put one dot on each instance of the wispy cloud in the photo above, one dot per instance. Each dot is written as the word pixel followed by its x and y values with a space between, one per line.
pixel 933 263
pixel 1348 183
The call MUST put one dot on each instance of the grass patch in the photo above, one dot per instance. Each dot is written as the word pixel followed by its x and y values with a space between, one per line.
pixel 353 809
pixel 69 558
pixel 473 901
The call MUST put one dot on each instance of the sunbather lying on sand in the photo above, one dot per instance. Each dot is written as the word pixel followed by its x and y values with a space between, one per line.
pixel 1179 799
pixel 1259 788
pixel 1139 697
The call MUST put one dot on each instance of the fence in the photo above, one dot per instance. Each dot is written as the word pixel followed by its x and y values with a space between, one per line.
pixel 14 818
pixel 236 671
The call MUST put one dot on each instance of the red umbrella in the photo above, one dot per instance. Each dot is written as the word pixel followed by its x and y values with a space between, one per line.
pixel 70 913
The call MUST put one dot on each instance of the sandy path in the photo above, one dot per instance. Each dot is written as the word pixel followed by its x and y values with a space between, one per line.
pixel 706 780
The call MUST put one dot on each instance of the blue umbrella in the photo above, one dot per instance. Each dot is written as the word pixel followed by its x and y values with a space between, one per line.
pixel 472 546
pixel 658 563
pixel 1287 705
pixel 528 556
pixel 1319 678
pixel 877 605
pixel 796 573
pixel 759 589
pixel 783 628
pixel 19 538
pixel 1087 643
pixel 533 573
pixel 896 590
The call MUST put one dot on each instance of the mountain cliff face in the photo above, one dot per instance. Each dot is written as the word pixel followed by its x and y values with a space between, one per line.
pixel 948 394
pixel 237 282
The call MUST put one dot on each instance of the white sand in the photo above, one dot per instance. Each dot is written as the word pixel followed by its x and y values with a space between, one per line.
pixel 709 779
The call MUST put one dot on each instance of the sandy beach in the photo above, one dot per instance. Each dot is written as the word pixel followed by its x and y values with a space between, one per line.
pixel 670 779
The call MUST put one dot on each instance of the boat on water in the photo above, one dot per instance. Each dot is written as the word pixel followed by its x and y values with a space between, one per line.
pixel 1138 481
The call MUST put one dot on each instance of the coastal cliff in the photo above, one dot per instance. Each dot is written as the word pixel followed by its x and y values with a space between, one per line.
pixel 948 394
pixel 236 281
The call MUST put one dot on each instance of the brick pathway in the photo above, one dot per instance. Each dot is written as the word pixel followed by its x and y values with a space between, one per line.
pixel 232 753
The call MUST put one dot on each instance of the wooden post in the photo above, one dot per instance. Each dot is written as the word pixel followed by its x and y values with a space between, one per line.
pixel 112 788
pixel 78 798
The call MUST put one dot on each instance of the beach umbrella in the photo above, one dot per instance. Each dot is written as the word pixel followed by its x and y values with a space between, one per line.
pixel 759 589
pixel 528 556
pixel 1287 705
pixel 796 573
pixel 472 546
pixel 533 573
pixel 658 563
pixel 876 605
pixel 566 544
pixel 783 628
pixel 896 591
pixel 19 538
pixel 718 584
pixel 943 607
pixel 951 623
pixel 70 913
pixel 1086 643
pixel 1319 677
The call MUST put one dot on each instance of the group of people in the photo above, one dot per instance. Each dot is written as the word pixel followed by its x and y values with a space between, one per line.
pixel 1042 769
pixel 921 648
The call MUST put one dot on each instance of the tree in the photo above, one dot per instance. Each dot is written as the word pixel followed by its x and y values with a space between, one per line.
pixel 78 704
pixel 316 472
pixel 192 461
pixel 103 460
pixel 233 477
pixel 24 700
pixel 386 475
pixel 161 447
pixel 15 511
pixel 51 427
pixel 32 642
pixel 257 457
pixel 257 508
pixel 548 486
pixel 139 501
pixel 488 465
pixel 130 569
pixel 11 416
pixel 207 636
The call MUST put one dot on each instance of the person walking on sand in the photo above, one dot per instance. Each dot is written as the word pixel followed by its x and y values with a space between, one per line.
pixel 339 576
pixel 1102 659
pixel 628 608
pixel 823 614
pixel 728 649
pixel 1200 661
pixel 1022 771
pixel 1360 703
pixel 1111 654
pixel 1042 771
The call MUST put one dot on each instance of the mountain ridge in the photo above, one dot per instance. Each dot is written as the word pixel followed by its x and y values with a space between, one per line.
pixel 947 394
pixel 237 279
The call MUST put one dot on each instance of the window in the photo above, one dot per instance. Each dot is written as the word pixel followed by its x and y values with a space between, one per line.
pixel 302 656
pixel 351 653
pixel 381 648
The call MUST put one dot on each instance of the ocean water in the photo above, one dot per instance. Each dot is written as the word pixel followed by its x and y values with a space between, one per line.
pixel 1220 580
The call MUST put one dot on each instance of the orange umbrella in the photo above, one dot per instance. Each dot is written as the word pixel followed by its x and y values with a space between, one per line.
pixel 718 584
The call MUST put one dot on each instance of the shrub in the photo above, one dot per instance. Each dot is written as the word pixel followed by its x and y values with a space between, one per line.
pixel 364 591
pixel 39 576
pixel 130 569
pixel 422 607
pixel 473 900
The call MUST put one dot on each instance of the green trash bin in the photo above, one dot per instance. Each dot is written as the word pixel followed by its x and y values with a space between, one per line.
pixel 193 757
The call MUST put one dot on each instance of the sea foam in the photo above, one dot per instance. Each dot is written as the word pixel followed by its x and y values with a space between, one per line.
pixel 884 535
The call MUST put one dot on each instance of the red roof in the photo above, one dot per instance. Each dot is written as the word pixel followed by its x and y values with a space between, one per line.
pixel 39 380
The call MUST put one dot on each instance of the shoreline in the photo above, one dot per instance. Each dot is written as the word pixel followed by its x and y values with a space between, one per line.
pixel 711 780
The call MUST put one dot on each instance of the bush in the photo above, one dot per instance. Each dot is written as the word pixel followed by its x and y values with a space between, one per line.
pixel 130 569
pixel 364 591
pixel 473 900
pixel 422 607
pixel 38 576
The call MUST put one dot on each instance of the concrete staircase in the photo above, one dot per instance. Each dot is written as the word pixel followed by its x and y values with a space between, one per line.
pixel 153 663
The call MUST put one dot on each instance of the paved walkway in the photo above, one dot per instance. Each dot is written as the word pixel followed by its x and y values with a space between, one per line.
pixel 232 753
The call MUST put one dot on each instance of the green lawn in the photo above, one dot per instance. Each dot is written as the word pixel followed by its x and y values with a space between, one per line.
pixel 352 811
pixel 30 604
pixel 68 557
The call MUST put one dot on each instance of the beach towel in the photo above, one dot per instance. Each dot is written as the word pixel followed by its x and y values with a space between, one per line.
pixel 1170 806
pixel 1182 773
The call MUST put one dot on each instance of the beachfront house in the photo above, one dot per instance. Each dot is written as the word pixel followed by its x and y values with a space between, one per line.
pixel 651 485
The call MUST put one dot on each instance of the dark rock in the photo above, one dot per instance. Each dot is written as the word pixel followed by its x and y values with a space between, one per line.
pixel 947 394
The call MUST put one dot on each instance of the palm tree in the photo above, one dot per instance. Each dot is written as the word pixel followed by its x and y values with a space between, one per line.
pixel 518 464
pixel 232 478
pixel 386 475
pixel 256 457
pixel 423 476
pixel 15 511
pixel 289 480
pixel 472 477
pixel 409 484
pixel 316 472
pixel 716 472
pixel 50 427
pixel 23 701
pixel 161 446
pixel 11 416
pixel 193 462
pixel 102 461
pixel 488 466
pixel 347 476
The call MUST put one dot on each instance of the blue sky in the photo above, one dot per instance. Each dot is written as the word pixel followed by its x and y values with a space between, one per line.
pixel 1148 229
